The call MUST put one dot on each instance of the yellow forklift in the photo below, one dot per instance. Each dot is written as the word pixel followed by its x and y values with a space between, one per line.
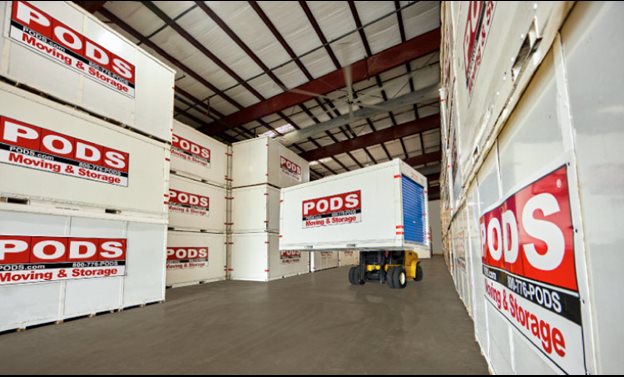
pixel 395 268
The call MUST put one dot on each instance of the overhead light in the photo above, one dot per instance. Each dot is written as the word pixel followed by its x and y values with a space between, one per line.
pixel 282 129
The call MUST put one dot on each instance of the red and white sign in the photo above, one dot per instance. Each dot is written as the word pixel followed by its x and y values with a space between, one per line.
pixel 37 148
pixel 189 151
pixel 47 36
pixel 180 258
pixel 26 259
pixel 187 203
pixel 290 257
pixel 531 233
pixel 333 210
pixel 291 169
pixel 478 24
pixel 178 254
pixel 530 269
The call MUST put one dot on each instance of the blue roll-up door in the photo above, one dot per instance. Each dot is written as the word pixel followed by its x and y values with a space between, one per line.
pixel 414 211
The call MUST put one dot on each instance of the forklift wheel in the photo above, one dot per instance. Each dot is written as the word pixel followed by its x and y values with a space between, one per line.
pixel 358 276
pixel 419 273
pixel 399 278
pixel 352 275
pixel 390 277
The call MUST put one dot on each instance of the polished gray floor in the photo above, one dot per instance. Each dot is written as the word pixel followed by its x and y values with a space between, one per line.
pixel 312 324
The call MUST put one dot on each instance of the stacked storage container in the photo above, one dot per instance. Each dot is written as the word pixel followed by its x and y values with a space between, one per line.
pixel 261 167
pixel 196 248
pixel 348 258
pixel 82 219
pixel 532 126
pixel 324 260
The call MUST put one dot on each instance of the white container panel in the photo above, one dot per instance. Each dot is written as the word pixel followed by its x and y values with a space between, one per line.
pixel 436 227
pixel 265 161
pixel 145 271
pixel 184 268
pixel 256 257
pixel 286 168
pixel 489 182
pixel 532 140
pixel 80 299
pixel 284 264
pixel 250 257
pixel 250 162
pixel 592 49
pixel 147 107
pixel 30 305
pixel 196 206
pixel 525 362
pixel 461 250
pixel 368 212
pixel 323 260
pixel 198 156
pixel 499 341
pixel 476 267
pixel 348 258
pixel 79 294
pixel 136 174
pixel 255 209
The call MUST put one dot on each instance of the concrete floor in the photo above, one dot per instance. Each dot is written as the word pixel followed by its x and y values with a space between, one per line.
pixel 313 324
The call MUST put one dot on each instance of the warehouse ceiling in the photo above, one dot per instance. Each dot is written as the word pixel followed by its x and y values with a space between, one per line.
pixel 346 84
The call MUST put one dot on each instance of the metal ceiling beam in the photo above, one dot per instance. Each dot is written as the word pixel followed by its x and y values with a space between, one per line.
pixel 424 159
pixel 362 70
pixel 226 29
pixel 269 24
pixel 204 108
pixel 330 52
pixel 199 122
pixel 91 6
pixel 374 138
pixel 434 193
pixel 319 33
pixel 293 57
pixel 240 43
pixel 207 53
pixel 146 41
pixel 388 106
pixel 408 67
pixel 432 172
pixel 128 29
pixel 369 52
pixel 179 112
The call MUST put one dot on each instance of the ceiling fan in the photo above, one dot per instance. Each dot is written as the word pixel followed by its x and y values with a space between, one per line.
pixel 358 109
pixel 352 97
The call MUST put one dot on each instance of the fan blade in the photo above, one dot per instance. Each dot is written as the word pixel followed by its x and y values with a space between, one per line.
pixel 348 75
pixel 380 108
pixel 311 94
pixel 350 113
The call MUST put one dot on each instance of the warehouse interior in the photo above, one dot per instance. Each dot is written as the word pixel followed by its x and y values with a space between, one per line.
pixel 350 187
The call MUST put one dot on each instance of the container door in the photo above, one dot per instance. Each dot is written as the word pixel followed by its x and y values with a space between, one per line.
pixel 414 211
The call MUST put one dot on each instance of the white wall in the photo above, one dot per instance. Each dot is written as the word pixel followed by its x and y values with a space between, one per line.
pixel 436 227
